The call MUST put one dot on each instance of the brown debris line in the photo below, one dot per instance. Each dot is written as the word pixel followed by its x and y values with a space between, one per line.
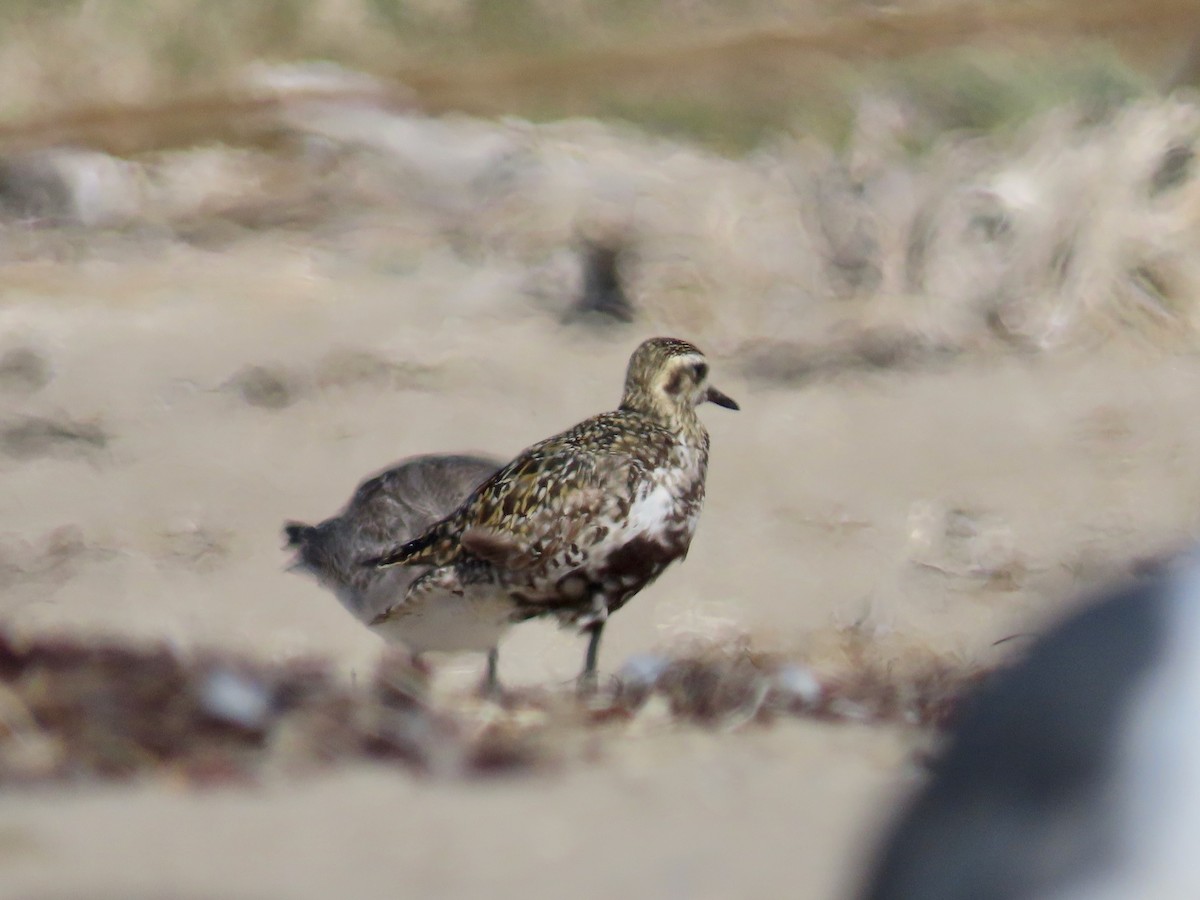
pixel 73 710
pixel 719 690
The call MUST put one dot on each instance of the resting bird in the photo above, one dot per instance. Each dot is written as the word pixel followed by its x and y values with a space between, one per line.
pixel 401 501
pixel 577 524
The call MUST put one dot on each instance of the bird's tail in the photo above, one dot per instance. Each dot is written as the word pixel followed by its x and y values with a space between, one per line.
pixel 298 534
pixel 309 544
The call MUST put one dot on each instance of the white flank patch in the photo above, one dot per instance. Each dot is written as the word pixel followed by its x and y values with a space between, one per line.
pixel 449 623
pixel 651 512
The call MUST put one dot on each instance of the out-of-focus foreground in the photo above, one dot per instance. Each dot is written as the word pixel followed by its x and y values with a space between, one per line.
pixel 254 252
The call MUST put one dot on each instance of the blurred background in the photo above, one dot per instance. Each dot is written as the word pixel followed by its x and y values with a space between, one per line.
pixel 942 253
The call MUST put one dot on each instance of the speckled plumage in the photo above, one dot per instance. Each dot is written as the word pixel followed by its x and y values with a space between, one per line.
pixel 577 524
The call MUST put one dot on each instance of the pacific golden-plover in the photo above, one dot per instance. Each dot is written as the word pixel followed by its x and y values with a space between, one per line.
pixel 576 525
pixel 402 501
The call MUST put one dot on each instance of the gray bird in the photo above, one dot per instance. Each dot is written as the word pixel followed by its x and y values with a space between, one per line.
pixel 401 502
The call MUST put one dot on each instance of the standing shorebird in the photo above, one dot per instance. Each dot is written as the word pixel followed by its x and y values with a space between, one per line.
pixel 404 500
pixel 576 525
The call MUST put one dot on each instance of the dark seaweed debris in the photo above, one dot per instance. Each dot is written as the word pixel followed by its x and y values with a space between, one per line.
pixel 71 710
pixel 75 710
pixel 720 689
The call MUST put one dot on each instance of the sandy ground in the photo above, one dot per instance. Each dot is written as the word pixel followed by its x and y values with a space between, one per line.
pixel 668 816
pixel 146 470
pixel 815 520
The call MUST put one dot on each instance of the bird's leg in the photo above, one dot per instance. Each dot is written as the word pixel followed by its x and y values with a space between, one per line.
pixel 587 678
pixel 489 686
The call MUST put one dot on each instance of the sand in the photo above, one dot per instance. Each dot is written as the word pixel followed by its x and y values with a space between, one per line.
pixel 809 526
pixel 203 391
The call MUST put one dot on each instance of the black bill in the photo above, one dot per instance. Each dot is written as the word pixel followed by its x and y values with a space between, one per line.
pixel 715 396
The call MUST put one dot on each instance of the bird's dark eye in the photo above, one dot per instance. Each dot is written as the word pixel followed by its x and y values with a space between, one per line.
pixel 701 370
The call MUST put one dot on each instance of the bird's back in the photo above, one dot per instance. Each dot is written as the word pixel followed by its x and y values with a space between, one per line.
pixel 593 469
pixel 396 504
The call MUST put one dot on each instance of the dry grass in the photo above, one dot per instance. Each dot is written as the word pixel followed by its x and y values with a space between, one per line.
pixel 729 74
pixel 1074 227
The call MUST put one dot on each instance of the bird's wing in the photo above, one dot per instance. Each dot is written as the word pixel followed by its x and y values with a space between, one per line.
pixel 543 499
pixel 406 500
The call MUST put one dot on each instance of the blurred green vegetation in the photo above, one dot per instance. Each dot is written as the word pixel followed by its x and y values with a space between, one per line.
pixel 698 70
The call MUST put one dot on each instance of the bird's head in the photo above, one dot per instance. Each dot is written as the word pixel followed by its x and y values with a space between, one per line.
pixel 668 378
